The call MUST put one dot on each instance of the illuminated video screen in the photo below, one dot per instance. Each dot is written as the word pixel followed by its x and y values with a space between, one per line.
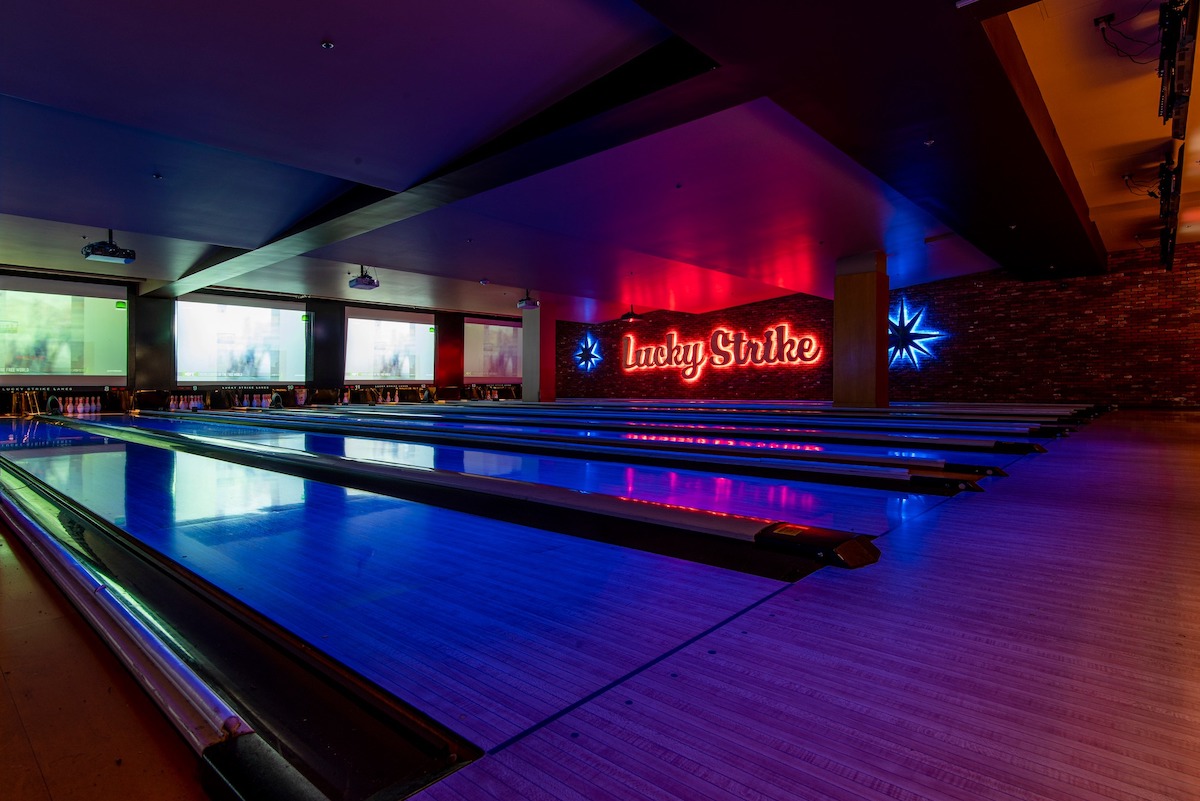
pixel 219 341
pixel 62 332
pixel 387 347
pixel 491 351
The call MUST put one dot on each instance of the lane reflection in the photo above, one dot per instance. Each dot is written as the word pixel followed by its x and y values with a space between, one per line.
pixel 847 508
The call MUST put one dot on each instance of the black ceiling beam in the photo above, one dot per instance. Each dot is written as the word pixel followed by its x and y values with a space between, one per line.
pixel 666 86
pixel 985 9
pixel 670 62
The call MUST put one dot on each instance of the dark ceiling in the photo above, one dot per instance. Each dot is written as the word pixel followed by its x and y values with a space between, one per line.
pixel 676 154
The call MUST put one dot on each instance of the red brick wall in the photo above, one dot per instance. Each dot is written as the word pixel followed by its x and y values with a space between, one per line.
pixel 1131 336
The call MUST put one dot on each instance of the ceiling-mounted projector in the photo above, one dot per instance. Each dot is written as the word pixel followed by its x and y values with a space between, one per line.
pixel 107 251
pixel 527 302
pixel 364 280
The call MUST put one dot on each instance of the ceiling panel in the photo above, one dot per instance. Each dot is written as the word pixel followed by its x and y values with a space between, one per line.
pixel 53 247
pixel 456 243
pixel 64 166
pixel 750 191
pixel 1105 108
pixel 407 86
pixel 813 132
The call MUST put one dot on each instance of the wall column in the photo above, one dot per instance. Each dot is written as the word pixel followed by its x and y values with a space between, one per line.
pixel 153 351
pixel 537 354
pixel 448 354
pixel 327 324
pixel 860 331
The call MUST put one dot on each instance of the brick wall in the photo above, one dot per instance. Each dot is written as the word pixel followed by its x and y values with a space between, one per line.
pixel 1131 336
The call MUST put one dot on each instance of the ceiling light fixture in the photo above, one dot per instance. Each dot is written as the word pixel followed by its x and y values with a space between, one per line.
pixel 107 251
pixel 631 316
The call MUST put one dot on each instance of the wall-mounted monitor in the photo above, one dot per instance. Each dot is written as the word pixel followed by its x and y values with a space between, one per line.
pixel 491 351
pixel 62 333
pixel 231 341
pixel 385 347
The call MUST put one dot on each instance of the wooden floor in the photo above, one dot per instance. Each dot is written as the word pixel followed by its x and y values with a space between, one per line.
pixel 1037 641
pixel 73 723
pixel 1040 640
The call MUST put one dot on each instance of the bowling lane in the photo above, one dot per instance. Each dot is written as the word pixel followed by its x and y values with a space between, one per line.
pixel 829 420
pixel 799 437
pixel 1062 412
pixel 785 446
pixel 852 509
pixel 488 627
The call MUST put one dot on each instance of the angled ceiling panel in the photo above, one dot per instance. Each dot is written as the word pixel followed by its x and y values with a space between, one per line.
pixel 815 131
pixel 406 87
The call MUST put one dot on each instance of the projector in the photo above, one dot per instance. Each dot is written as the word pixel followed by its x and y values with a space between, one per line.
pixel 364 282
pixel 107 251
pixel 527 302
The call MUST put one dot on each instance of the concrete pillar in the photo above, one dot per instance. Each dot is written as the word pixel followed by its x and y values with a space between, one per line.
pixel 860 331
pixel 448 354
pixel 537 354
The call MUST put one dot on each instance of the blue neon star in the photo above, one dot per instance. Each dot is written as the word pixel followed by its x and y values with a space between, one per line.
pixel 906 337
pixel 588 355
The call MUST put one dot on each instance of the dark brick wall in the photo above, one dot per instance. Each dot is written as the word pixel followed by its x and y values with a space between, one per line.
pixel 1131 336
pixel 1128 337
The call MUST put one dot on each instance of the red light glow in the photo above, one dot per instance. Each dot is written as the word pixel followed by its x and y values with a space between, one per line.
pixel 661 505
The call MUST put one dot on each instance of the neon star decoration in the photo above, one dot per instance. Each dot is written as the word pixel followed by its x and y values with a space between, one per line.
pixel 908 339
pixel 588 355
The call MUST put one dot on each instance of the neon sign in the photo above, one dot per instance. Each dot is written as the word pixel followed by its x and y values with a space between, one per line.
pixel 907 339
pixel 723 349
pixel 588 355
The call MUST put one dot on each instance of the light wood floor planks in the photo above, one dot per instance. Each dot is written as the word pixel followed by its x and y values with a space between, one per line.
pixel 1040 642
pixel 73 723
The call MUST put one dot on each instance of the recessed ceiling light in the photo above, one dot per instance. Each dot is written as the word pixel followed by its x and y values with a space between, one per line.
pixel 327 45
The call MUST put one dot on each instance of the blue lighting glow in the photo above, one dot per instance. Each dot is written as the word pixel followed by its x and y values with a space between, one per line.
pixel 908 338
pixel 588 355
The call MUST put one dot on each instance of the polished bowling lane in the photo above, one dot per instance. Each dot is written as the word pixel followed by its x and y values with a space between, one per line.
pixel 764 441
pixel 846 508
pixel 565 661
pixel 897 422
pixel 487 627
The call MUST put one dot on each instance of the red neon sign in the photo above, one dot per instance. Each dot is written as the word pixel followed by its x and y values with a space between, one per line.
pixel 723 349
